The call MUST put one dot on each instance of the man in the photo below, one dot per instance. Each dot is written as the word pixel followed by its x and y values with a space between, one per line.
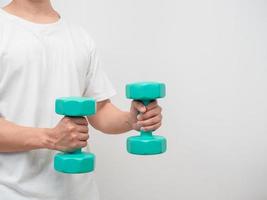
pixel 43 57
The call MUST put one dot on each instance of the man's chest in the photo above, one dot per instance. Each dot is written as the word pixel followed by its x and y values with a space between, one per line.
pixel 29 53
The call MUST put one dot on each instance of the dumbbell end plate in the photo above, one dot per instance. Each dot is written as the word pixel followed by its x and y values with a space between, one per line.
pixel 145 90
pixel 75 106
pixel 74 163
pixel 141 145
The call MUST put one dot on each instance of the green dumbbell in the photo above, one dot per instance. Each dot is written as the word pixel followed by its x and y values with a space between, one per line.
pixel 146 143
pixel 77 161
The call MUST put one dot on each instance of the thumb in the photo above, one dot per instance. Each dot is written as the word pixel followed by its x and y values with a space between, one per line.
pixel 139 106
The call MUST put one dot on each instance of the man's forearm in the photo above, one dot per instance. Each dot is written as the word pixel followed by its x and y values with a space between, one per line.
pixel 109 119
pixel 15 138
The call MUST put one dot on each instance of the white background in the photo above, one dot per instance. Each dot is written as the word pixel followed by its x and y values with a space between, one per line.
pixel 213 57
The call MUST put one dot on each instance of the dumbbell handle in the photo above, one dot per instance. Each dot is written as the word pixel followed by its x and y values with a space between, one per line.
pixel 76 151
pixel 146 133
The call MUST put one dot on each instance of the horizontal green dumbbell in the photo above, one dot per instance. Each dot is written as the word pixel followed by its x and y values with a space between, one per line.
pixel 146 143
pixel 76 161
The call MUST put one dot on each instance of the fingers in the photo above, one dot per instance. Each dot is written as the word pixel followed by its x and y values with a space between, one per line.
pixel 82 129
pixel 82 144
pixel 150 122
pixel 82 134
pixel 152 105
pixel 72 147
pixel 83 137
pixel 79 120
pixel 150 113
pixel 139 106
pixel 151 128
pixel 151 119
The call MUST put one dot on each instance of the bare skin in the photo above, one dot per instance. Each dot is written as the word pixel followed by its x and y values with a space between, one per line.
pixel 71 133
pixel 37 11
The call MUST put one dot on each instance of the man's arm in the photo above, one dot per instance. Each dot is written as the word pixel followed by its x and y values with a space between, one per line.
pixel 14 138
pixel 69 134
pixel 109 119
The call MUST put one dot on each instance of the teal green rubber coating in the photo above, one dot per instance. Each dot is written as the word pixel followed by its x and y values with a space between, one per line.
pixel 75 162
pixel 75 106
pixel 144 91
pixel 146 143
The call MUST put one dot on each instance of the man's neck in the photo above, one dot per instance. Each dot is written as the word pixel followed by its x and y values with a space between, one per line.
pixel 35 11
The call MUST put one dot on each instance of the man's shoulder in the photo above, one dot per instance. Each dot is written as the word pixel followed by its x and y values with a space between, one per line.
pixel 3 19
pixel 6 24
pixel 3 24
pixel 78 29
pixel 79 32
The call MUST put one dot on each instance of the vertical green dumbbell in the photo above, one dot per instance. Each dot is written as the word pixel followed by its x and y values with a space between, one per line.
pixel 146 143
pixel 76 161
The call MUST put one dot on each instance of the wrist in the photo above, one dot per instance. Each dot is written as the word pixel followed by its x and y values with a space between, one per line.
pixel 130 121
pixel 46 138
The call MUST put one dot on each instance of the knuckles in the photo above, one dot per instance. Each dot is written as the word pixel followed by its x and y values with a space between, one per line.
pixel 73 137
pixel 84 121
pixel 71 128
pixel 66 119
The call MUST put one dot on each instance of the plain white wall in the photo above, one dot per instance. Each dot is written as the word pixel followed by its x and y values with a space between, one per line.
pixel 213 57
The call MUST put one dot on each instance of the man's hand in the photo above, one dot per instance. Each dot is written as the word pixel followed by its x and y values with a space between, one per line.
pixel 69 134
pixel 145 118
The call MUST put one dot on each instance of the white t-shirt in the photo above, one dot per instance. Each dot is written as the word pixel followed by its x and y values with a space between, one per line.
pixel 39 63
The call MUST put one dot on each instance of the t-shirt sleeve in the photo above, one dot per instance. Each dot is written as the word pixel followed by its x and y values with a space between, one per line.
pixel 98 85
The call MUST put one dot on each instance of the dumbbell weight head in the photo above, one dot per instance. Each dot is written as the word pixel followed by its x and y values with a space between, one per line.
pixel 145 91
pixel 74 163
pixel 75 106
pixel 146 145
